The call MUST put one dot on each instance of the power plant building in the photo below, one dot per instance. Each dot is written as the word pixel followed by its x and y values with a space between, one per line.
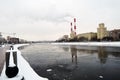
pixel 89 36
pixel 102 31
pixel 72 35
pixel 101 34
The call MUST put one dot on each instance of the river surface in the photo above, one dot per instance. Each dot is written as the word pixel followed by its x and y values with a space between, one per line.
pixel 70 62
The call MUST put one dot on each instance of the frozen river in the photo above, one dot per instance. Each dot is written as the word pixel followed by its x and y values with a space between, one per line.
pixel 74 62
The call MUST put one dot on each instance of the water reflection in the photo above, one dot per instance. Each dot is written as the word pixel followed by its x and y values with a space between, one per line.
pixel 102 55
pixel 66 49
pixel 101 52
pixel 74 54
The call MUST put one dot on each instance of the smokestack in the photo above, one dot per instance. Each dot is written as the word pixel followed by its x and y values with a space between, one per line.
pixel 71 26
pixel 75 25
pixel 74 19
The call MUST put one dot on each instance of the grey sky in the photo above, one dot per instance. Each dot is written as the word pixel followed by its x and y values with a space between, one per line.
pixel 50 19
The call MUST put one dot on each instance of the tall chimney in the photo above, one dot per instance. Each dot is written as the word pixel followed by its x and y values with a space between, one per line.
pixel 75 25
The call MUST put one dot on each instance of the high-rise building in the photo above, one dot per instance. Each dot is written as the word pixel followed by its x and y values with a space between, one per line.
pixel 101 31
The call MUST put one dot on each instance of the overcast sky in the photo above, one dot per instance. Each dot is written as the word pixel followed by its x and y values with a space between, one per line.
pixel 50 19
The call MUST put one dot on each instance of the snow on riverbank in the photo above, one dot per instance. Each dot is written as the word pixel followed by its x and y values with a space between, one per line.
pixel 111 44
pixel 25 69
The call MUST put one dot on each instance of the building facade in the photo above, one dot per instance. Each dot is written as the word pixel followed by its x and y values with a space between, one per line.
pixel 102 31
pixel 89 36
pixel 12 40
pixel 115 34
pixel 65 37
pixel 101 35
pixel 72 35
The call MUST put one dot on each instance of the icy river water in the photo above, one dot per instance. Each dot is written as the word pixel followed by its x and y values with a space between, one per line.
pixel 74 62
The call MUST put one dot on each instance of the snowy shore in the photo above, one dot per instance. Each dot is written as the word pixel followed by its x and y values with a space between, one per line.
pixel 110 44
pixel 25 69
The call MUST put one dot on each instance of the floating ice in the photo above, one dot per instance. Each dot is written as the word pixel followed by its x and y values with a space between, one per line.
pixel 100 76
pixel 48 70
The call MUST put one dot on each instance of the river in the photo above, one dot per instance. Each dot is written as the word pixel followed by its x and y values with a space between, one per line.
pixel 74 62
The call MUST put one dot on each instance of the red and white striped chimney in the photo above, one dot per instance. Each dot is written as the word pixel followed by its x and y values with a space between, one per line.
pixel 75 25
pixel 71 27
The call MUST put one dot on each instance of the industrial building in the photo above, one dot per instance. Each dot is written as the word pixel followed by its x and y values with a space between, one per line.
pixel 115 34
pixel 102 31
pixel 89 36
pixel 102 34
pixel 72 35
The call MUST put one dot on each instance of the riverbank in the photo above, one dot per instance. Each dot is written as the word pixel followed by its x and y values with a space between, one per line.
pixel 111 44
pixel 25 70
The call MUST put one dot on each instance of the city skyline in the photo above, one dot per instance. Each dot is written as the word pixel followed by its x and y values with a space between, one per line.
pixel 50 19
